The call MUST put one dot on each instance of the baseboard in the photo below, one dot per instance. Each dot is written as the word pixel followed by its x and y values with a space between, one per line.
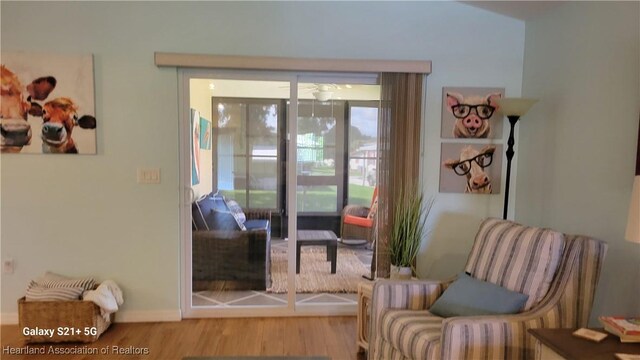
pixel 121 316
pixel 148 316
pixel 9 318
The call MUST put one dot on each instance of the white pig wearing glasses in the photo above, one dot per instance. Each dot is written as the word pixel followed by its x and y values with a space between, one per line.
pixel 472 114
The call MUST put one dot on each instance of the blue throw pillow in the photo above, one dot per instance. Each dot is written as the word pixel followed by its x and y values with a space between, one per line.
pixel 211 213
pixel 468 296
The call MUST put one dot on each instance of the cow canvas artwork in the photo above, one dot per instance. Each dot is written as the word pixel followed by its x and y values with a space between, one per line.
pixel 471 168
pixel 471 113
pixel 47 104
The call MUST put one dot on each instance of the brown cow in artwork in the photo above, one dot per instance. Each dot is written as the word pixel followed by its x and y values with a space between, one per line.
pixel 59 117
pixel 15 130
pixel 472 164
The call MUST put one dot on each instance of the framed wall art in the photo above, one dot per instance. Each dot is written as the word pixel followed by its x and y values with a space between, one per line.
pixel 471 168
pixel 471 112
pixel 195 147
pixel 205 134
pixel 48 104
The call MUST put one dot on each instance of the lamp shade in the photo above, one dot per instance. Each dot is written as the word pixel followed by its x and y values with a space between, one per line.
pixel 515 106
pixel 633 223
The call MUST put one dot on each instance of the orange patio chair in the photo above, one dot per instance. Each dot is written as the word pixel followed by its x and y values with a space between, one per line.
pixel 358 222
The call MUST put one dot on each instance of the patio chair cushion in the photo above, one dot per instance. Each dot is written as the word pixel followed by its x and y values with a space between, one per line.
pixel 355 220
pixel 414 333
pixel 468 297
pixel 517 257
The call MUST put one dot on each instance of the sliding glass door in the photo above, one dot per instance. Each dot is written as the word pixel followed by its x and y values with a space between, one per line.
pixel 329 269
pixel 269 162
pixel 238 254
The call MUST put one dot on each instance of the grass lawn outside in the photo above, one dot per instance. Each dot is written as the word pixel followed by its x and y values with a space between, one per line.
pixel 320 199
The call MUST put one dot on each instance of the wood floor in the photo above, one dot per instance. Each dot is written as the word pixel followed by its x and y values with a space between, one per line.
pixel 334 337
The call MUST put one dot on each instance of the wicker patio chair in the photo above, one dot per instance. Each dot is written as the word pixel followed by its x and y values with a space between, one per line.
pixel 358 223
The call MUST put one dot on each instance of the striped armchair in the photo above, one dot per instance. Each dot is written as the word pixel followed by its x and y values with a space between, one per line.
pixel 559 273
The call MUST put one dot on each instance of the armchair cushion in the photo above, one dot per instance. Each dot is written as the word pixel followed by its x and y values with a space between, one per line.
pixel 517 257
pixel 468 297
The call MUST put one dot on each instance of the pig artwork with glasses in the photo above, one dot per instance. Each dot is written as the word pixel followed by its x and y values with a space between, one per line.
pixel 472 114
pixel 472 164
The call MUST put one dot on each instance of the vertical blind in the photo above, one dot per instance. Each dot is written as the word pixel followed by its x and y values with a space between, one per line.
pixel 399 132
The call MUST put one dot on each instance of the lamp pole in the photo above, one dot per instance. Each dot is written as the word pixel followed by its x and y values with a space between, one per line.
pixel 513 119
pixel 513 109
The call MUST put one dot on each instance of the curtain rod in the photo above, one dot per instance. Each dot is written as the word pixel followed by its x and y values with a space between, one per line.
pixel 163 59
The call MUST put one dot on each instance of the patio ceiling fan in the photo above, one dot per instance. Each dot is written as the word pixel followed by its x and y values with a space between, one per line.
pixel 323 92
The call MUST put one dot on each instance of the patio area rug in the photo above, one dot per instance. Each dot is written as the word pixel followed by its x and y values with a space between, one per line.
pixel 315 271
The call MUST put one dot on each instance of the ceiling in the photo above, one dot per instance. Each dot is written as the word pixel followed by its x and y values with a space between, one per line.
pixel 523 10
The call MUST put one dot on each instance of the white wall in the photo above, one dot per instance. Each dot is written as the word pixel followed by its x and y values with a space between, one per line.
pixel 578 144
pixel 86 215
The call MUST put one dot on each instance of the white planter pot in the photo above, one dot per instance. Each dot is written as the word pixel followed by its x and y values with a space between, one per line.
pixel 400 273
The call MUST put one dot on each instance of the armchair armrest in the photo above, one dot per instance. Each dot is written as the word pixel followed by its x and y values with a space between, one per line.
pixel 410 295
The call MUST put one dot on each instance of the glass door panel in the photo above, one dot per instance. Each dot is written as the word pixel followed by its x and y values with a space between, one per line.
pixel 329 271
pixel 239 254
pixel 301 171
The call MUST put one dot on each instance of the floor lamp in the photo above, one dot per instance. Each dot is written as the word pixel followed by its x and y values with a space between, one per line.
pixel 513 109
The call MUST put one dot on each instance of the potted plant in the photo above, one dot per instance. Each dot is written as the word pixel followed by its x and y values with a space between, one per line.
pixel 406 233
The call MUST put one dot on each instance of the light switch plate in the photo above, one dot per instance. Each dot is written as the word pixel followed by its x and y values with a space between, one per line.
pixel 148 176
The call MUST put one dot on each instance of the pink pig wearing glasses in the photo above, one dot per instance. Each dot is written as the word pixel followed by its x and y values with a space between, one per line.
pixel 472 114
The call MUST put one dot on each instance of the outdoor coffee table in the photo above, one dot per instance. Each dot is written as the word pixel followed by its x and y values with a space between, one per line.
pixel 318 237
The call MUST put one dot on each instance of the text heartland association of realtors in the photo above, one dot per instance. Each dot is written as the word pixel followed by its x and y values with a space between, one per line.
pixel 75 350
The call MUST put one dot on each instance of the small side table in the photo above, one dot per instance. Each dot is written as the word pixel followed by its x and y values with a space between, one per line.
pixel 561 344
pixel 318 237
pixel 365 290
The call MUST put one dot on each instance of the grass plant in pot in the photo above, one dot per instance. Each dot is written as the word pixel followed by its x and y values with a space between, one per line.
pixel 408 226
